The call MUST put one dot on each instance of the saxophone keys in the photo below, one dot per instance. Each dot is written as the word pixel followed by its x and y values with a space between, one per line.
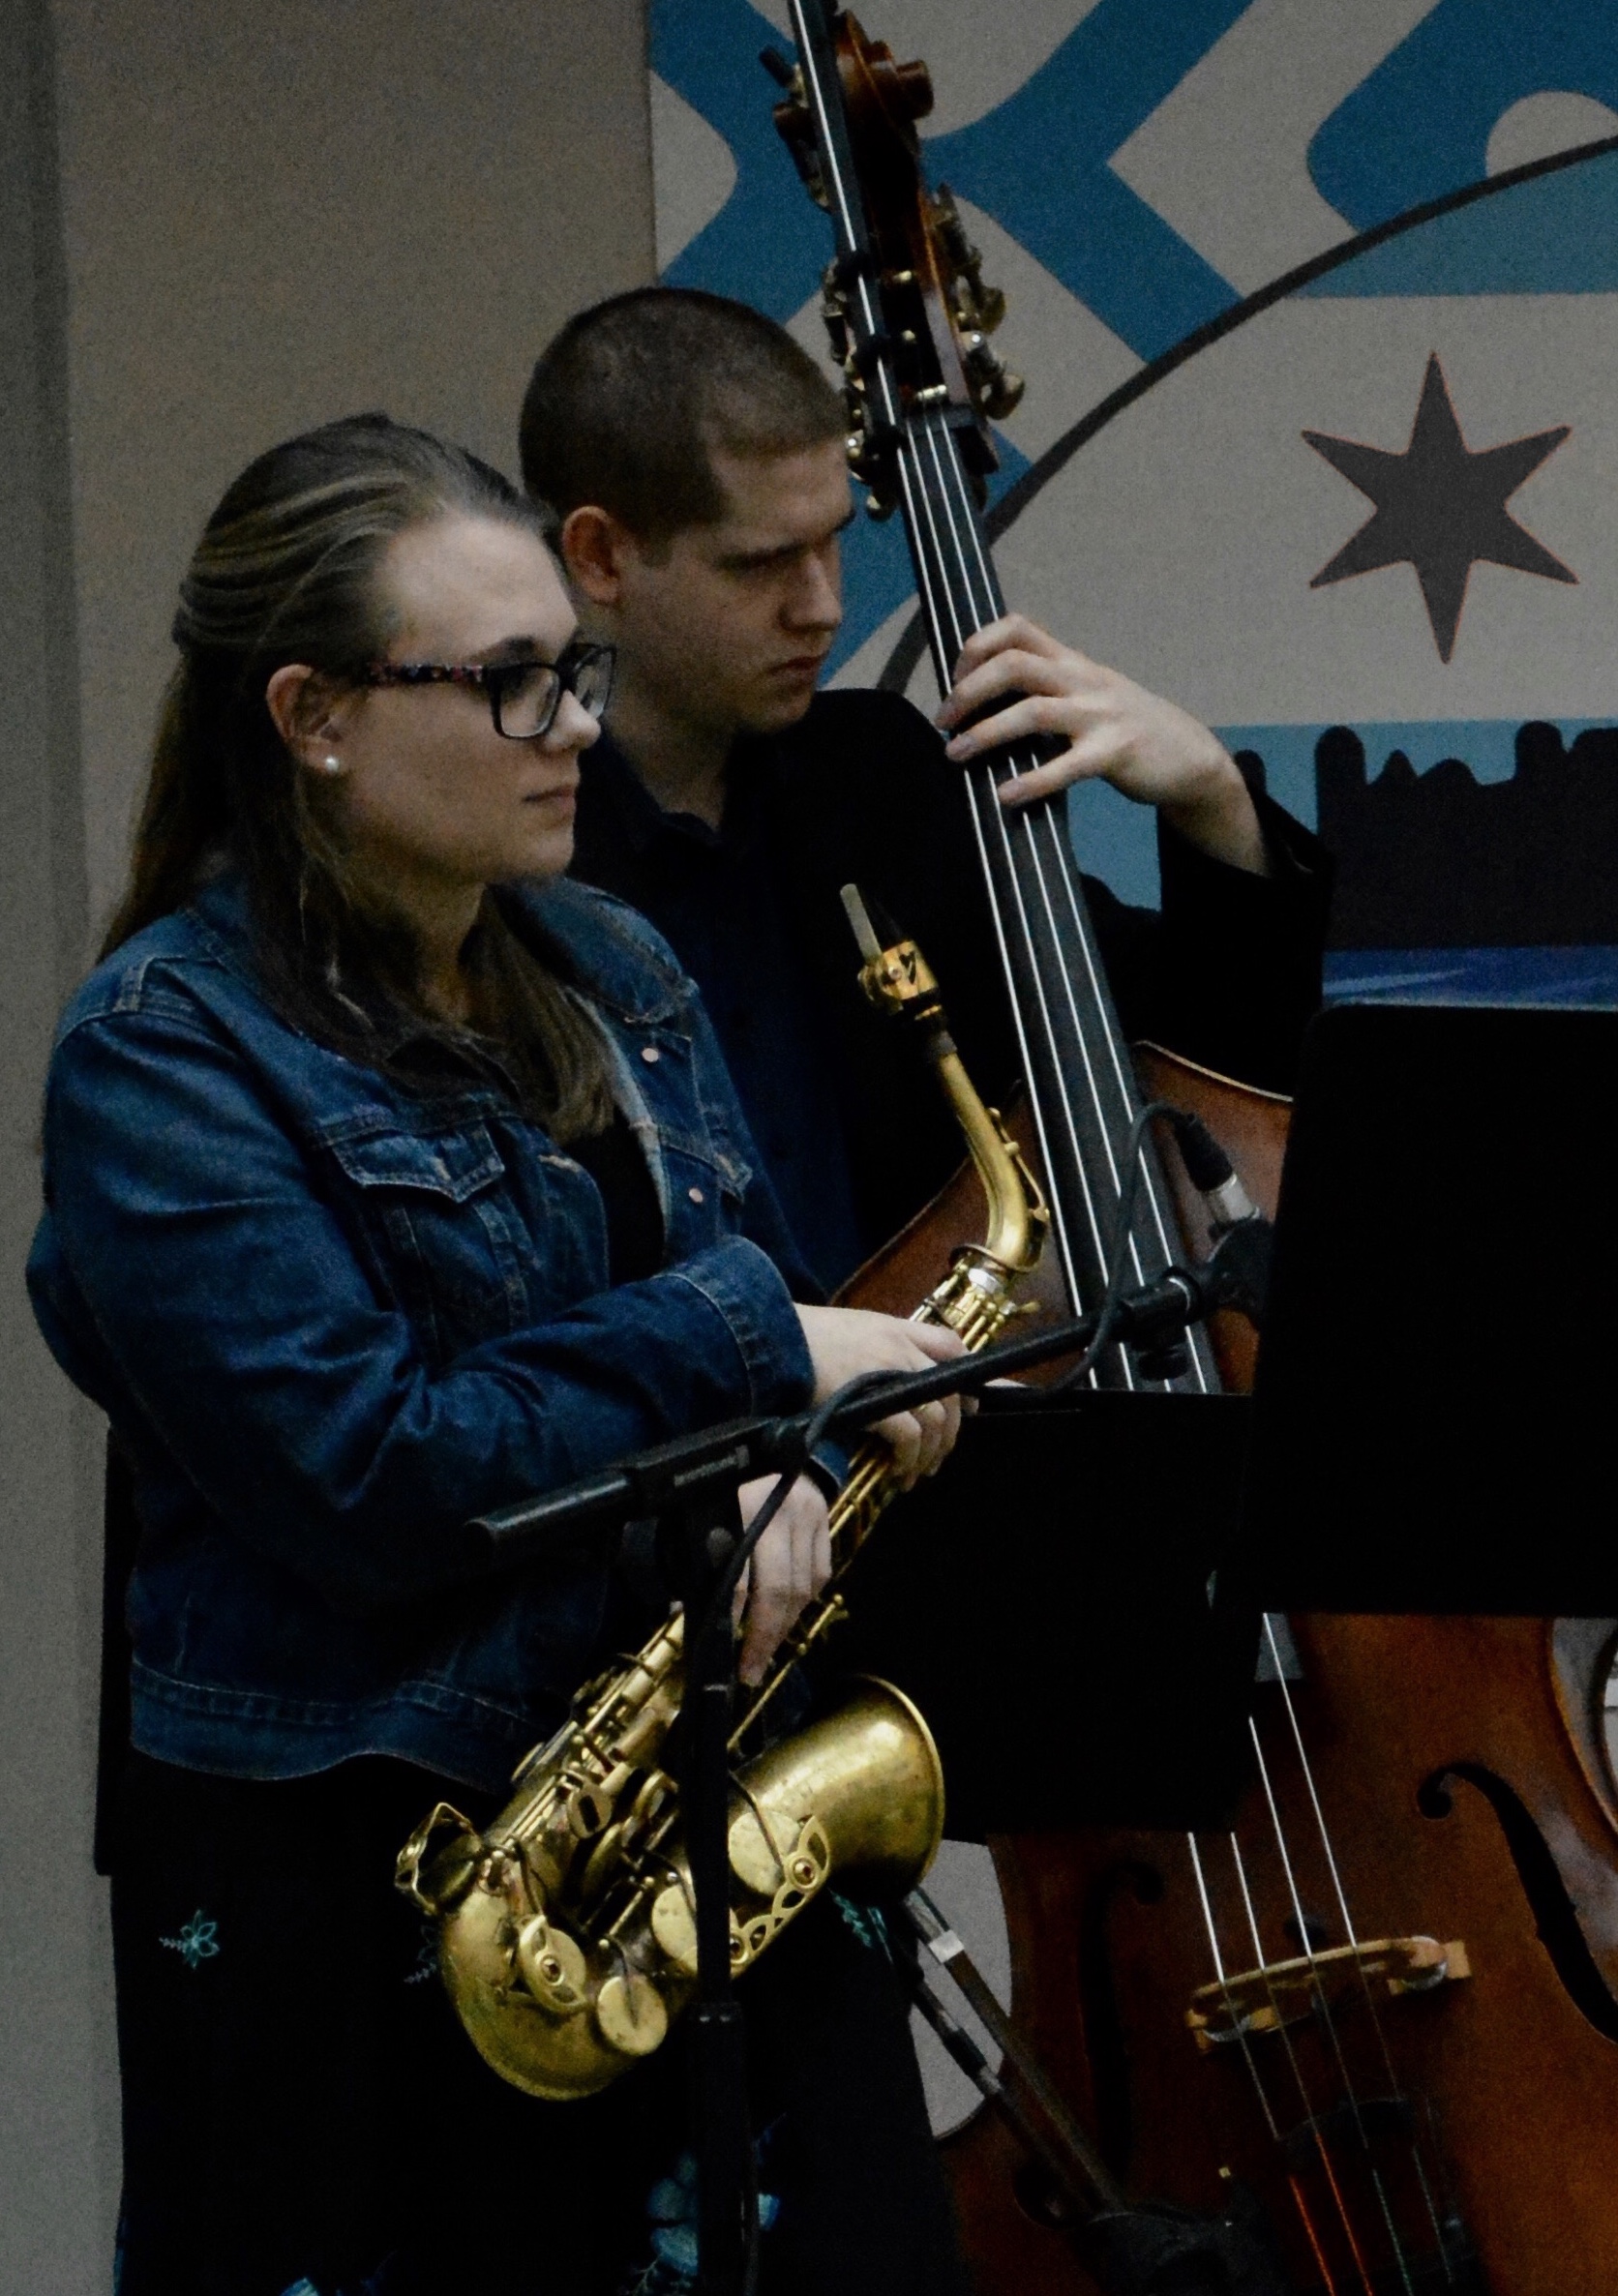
pixel 435 1868
pixel 761 1844
pixel 553 1967
pixel 589 1811
pixel 674 1924
pixel 630 2016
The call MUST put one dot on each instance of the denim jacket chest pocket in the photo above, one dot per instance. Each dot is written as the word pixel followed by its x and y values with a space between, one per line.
pixel 702 1179
pixel 469 1247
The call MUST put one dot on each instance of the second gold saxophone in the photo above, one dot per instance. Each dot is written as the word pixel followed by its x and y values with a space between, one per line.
pixel 566 1929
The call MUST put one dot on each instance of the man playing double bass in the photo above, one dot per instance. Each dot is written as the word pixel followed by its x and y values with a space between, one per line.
pixel 693 456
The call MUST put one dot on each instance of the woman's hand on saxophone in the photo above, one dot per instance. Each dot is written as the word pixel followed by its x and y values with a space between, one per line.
pixel 846 1341
pixel 784 1571
pixel 792 1561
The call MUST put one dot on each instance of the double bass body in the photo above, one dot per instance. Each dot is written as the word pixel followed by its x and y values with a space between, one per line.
pixel 1459 1775
pixel 1459 1767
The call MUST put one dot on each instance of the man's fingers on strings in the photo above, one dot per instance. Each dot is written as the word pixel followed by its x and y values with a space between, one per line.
pixel 1091 757
pixel 1012 630
pixel 1032 714
pixel 1011 673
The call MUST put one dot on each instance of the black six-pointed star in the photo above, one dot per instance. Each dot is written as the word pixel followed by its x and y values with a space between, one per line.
pixel 1440 507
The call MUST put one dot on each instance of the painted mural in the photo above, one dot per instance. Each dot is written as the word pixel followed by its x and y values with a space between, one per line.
pixel 1370 531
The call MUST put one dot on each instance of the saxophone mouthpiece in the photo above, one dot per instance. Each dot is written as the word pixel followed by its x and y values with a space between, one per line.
pixel 860 922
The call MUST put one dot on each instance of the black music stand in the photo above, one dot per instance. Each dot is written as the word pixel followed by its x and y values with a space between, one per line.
pixel 1437 1383
pixel 1046 1602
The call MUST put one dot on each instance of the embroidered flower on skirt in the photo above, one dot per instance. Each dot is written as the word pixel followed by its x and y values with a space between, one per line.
pixel 197 1943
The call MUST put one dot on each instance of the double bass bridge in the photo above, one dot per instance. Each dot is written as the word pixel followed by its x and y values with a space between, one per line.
pixel 1263 2000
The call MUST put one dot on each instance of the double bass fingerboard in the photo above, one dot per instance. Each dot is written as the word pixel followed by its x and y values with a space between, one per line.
pixel 1077 1069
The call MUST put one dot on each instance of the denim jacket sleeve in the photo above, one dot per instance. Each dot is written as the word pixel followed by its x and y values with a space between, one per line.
pixel 225 1289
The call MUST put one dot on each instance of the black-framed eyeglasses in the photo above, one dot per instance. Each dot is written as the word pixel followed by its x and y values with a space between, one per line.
pixel 524 697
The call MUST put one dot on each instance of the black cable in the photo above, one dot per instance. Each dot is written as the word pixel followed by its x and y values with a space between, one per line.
pixel 1112 1299
pixel 814 1434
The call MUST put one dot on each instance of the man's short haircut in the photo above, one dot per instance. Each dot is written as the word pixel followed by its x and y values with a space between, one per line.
pixel 627 405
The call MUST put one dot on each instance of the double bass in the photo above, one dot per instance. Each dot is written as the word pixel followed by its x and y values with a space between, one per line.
pixel 1365 2038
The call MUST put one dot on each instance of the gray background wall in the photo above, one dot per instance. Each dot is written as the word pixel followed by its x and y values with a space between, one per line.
pixel 217 223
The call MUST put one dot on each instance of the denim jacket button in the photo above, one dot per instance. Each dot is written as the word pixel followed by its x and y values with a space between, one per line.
pixel 696 1195
pixel 651 1055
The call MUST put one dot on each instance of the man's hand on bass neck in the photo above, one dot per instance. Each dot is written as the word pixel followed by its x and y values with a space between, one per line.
pixel 1115 730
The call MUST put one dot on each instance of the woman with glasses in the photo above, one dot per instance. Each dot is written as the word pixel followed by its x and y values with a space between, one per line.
pixel 391 1178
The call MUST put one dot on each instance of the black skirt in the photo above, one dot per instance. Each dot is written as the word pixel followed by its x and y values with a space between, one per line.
pixel 303 2113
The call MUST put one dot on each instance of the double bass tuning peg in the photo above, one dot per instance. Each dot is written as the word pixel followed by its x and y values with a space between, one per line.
pixel 997 391
pixel 977 305
pixel 792 123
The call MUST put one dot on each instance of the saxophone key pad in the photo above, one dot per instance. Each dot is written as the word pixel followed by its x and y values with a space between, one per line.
pixel 630 2014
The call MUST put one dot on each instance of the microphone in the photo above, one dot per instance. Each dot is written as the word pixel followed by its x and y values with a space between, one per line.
pixel 1238 1270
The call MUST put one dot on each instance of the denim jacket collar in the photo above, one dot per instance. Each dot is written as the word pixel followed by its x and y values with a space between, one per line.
pixel 615 960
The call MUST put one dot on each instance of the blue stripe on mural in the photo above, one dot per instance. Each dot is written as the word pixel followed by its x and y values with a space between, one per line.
pixel 1038 163
pixel 768 245
pixel 1558 237
pixel 1420 126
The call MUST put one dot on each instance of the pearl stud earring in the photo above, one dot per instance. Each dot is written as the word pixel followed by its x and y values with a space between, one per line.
pixel 331 764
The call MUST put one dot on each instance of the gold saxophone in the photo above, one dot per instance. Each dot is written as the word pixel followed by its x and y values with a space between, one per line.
pixel 566 1930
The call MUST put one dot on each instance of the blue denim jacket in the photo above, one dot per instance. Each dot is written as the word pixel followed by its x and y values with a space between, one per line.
pixel 330 1319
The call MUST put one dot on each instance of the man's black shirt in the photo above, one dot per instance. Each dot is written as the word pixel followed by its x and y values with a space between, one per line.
pixel 846 1113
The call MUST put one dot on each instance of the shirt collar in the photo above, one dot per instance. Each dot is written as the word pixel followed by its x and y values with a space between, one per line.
pixel 642 822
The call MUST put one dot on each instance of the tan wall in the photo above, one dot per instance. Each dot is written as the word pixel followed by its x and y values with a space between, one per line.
pixel 279 214
pixel 270 215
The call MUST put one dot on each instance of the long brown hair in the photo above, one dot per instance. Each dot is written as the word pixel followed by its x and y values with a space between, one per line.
pixel 286 571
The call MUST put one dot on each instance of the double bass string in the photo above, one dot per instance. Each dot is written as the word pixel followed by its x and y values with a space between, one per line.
pixel 1034 822
pixel 1312 2120
pixel 942 656
pixel 958 516
pixel 982 611
pixel 947 646
pixel 1243 2042
pixel 944 469
pixel 1368 1989
pixel 1323 2009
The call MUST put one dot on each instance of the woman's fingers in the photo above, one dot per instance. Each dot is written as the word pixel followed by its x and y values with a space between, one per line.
pixel 843 1342
pixel 787 1568
pixel 846 1341
pixel 921 1440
